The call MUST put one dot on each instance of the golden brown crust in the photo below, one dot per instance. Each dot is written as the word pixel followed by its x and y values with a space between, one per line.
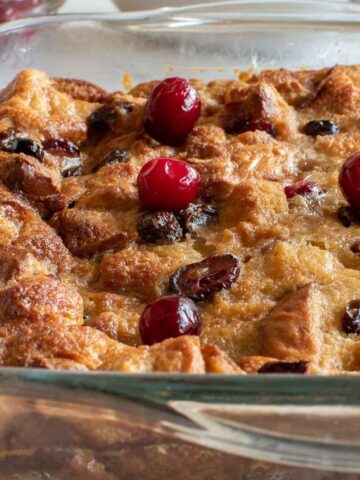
pixel 40 299
pixel 216 361
pixel 81 90
pixel 75 275
pixel 291 330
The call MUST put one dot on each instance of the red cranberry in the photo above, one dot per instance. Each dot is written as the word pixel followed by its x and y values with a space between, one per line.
pixel 302 188
pixel 349 180
pixel 25 4
pixel 167 184
pixel 172 111
pixel 7 13
pixel 169 317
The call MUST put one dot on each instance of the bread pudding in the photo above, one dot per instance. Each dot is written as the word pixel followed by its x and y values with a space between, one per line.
pixel 182 226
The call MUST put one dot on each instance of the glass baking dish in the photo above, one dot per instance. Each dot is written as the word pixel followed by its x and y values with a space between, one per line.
pixel 113 426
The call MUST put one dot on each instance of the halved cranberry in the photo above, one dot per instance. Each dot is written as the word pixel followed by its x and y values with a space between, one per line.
pixel 320 127
pixel 169 317
pixel 61 146
pixel 167 184
pixel 199 281
pixel 349 180
pixel 351 318
pixel 303 188
pixel 159 227
pixel 117 156
pixel 172 111
pixel 284 367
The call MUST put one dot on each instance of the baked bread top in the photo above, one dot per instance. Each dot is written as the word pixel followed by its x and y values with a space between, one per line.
pixel 76 270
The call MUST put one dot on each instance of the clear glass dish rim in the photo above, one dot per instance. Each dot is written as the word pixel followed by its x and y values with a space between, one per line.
pixel 337 12
pixel 162 387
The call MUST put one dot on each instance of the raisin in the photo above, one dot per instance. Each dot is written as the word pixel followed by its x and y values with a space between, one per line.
pixel 12 143
pixel 199 281
pixel 29 147
pixel 196 215
pixel 355 247
pixel 106 116
pixel 348 216
pixel 160 227
pixel 284 367
pixel 61 146
pixel 351 318
pixel 117 156
pixel 320 127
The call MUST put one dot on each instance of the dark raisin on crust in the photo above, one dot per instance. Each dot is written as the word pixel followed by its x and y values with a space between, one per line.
pixel 320 127
pixel 284 367
pixel 355 247
pixel 351 318
pixel 106 116
pixel 196 215
pixel 348 216
pixel 11 142
pixel 117 156
pixel 160 227
pixel 200 280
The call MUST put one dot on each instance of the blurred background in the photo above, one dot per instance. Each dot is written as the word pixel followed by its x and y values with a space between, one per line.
pixel 15 9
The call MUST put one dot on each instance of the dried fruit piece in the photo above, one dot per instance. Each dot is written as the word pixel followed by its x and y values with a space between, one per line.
pixel 159 227
pixel 196 215
pixel 320 127
pixel 284 367
pixel 172 111
pixel 349 180
pixel 117 156
pixel 108 115
pixel 61 146
pixel 71 167
pixel 235 122
pixel 348 216
pixel 351 318
pixel 11 142
pixel 303 188
pixel 169 317
pixel 355 247
pixel 200 280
